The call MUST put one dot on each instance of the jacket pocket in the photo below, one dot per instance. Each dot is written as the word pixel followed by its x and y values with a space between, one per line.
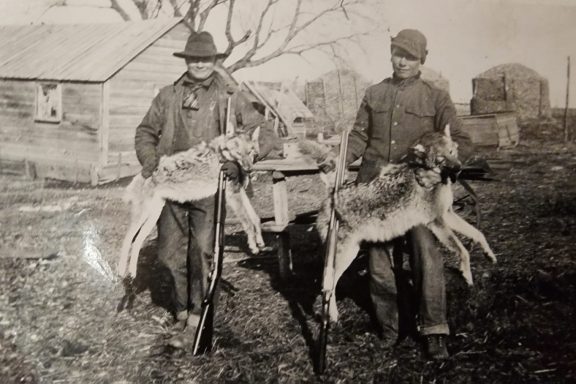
pixel 421 116
pixel 381 115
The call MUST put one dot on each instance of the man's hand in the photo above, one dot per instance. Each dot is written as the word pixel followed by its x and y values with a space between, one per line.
pixel 231 170
pixel 148 168
pixel 328 165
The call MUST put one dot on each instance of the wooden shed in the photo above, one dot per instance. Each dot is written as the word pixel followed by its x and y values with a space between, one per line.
pixel 72 95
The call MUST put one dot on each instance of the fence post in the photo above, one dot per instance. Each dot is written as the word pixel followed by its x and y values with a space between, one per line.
pixel 566 128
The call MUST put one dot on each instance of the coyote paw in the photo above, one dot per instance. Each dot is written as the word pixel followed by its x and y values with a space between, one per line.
pixel 256 246
pixel 467 275
pixel 333 311
pixel 260 243
pixel 491 256
pixel 254 250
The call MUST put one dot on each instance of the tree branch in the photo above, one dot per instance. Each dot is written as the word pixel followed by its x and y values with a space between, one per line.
pixel 203 15
pixel 176 8
pixel 299 50
pixel 279 39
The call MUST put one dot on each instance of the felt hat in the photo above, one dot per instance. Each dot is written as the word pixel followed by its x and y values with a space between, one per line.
pixel 200 44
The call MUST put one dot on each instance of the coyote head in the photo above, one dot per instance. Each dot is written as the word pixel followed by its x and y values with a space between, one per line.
pixel 437 152
pixel 241 148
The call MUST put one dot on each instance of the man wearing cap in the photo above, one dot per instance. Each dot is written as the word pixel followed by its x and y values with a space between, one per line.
pixel 392 115
pixel 183 114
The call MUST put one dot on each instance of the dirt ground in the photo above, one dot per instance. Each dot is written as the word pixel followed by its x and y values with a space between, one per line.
pixel 58 294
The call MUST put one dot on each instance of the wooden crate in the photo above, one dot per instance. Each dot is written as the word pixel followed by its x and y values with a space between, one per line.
pixel 493 129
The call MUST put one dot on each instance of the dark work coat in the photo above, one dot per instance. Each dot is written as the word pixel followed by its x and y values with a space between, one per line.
pixel 168 128
pixel 393 115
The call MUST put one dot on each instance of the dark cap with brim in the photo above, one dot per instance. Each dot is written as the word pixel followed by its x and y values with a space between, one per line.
pixel 411 41
pixel 200 45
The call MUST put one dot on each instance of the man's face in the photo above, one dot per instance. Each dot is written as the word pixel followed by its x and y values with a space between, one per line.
pixel 404 64
pixel 200 68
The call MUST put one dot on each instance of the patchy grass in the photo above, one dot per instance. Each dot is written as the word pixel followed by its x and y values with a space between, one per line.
pixel 58 297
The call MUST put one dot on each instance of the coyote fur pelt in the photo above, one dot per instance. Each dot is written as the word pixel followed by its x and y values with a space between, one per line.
pixel 187 176
pixel 400 198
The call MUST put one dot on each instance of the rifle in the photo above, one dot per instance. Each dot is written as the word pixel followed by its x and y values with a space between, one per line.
pixel 205 330
pixel 329 260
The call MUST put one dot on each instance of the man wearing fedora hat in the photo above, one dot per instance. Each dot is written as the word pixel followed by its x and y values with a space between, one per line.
pixel 183 114
pixel 392 115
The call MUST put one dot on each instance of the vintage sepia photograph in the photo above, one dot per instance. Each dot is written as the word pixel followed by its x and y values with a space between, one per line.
pixel 287 191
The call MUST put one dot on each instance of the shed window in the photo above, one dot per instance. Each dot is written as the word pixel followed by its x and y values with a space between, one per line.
pixel 49 102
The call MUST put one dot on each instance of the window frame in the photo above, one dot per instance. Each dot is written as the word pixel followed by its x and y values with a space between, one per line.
pixel 57 105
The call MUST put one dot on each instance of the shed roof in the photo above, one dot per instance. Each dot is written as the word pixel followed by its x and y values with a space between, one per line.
pixel 75 52
pixel 282 99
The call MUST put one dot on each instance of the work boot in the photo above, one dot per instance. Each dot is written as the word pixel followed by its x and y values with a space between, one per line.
pixel 192 322
pixel 388 338
pixel 180 321
pixel 436 347
pixel 185 338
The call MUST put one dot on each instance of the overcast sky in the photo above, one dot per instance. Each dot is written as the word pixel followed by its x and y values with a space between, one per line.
pixel 466 37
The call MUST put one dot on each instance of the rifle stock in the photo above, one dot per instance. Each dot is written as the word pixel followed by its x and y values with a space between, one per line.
pixel 329 259
pixel 205 330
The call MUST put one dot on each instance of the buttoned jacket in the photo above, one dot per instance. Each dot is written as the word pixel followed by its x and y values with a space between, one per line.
pixel 394 114
pixel 167 127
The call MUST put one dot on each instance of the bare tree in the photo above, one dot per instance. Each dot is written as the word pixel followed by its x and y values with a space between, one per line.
pixel 308 26
pixel 276 27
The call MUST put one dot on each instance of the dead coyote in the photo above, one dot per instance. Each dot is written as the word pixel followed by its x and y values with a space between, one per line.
pixel 402 197
pixel 189 176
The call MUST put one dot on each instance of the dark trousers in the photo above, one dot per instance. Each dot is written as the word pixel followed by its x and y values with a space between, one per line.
pixel 185 247
pixel 396 297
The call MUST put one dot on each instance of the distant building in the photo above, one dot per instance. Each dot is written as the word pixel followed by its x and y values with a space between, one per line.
pixel 283 103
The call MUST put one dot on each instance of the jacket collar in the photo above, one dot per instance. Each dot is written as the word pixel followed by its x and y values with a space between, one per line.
pixel 215 79
pixel 401 83
pixel 206 83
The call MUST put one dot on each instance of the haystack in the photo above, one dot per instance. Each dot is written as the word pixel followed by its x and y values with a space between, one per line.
pixel 435 78
pixel 511 88
pixel 339 93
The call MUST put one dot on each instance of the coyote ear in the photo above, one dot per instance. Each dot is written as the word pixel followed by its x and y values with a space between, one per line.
pixel 447 130
pixel 416 154
pixel 255 135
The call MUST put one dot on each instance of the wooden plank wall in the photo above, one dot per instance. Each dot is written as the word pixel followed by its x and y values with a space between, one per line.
pixel 72 141
pixel 133 88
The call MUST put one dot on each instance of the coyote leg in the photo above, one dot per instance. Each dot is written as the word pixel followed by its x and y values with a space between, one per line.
pixel 151 213
pixel 123 262
pixel 253 218
pixel 137 221
pixel 244 211
pixel 345 254
pixel 445 235
pixel 460 225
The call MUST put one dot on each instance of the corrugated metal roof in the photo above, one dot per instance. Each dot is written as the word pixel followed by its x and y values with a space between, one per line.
pixel 80 52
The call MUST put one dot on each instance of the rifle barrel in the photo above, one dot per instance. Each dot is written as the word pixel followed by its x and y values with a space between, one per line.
pixel 205 330
pixel 329 260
